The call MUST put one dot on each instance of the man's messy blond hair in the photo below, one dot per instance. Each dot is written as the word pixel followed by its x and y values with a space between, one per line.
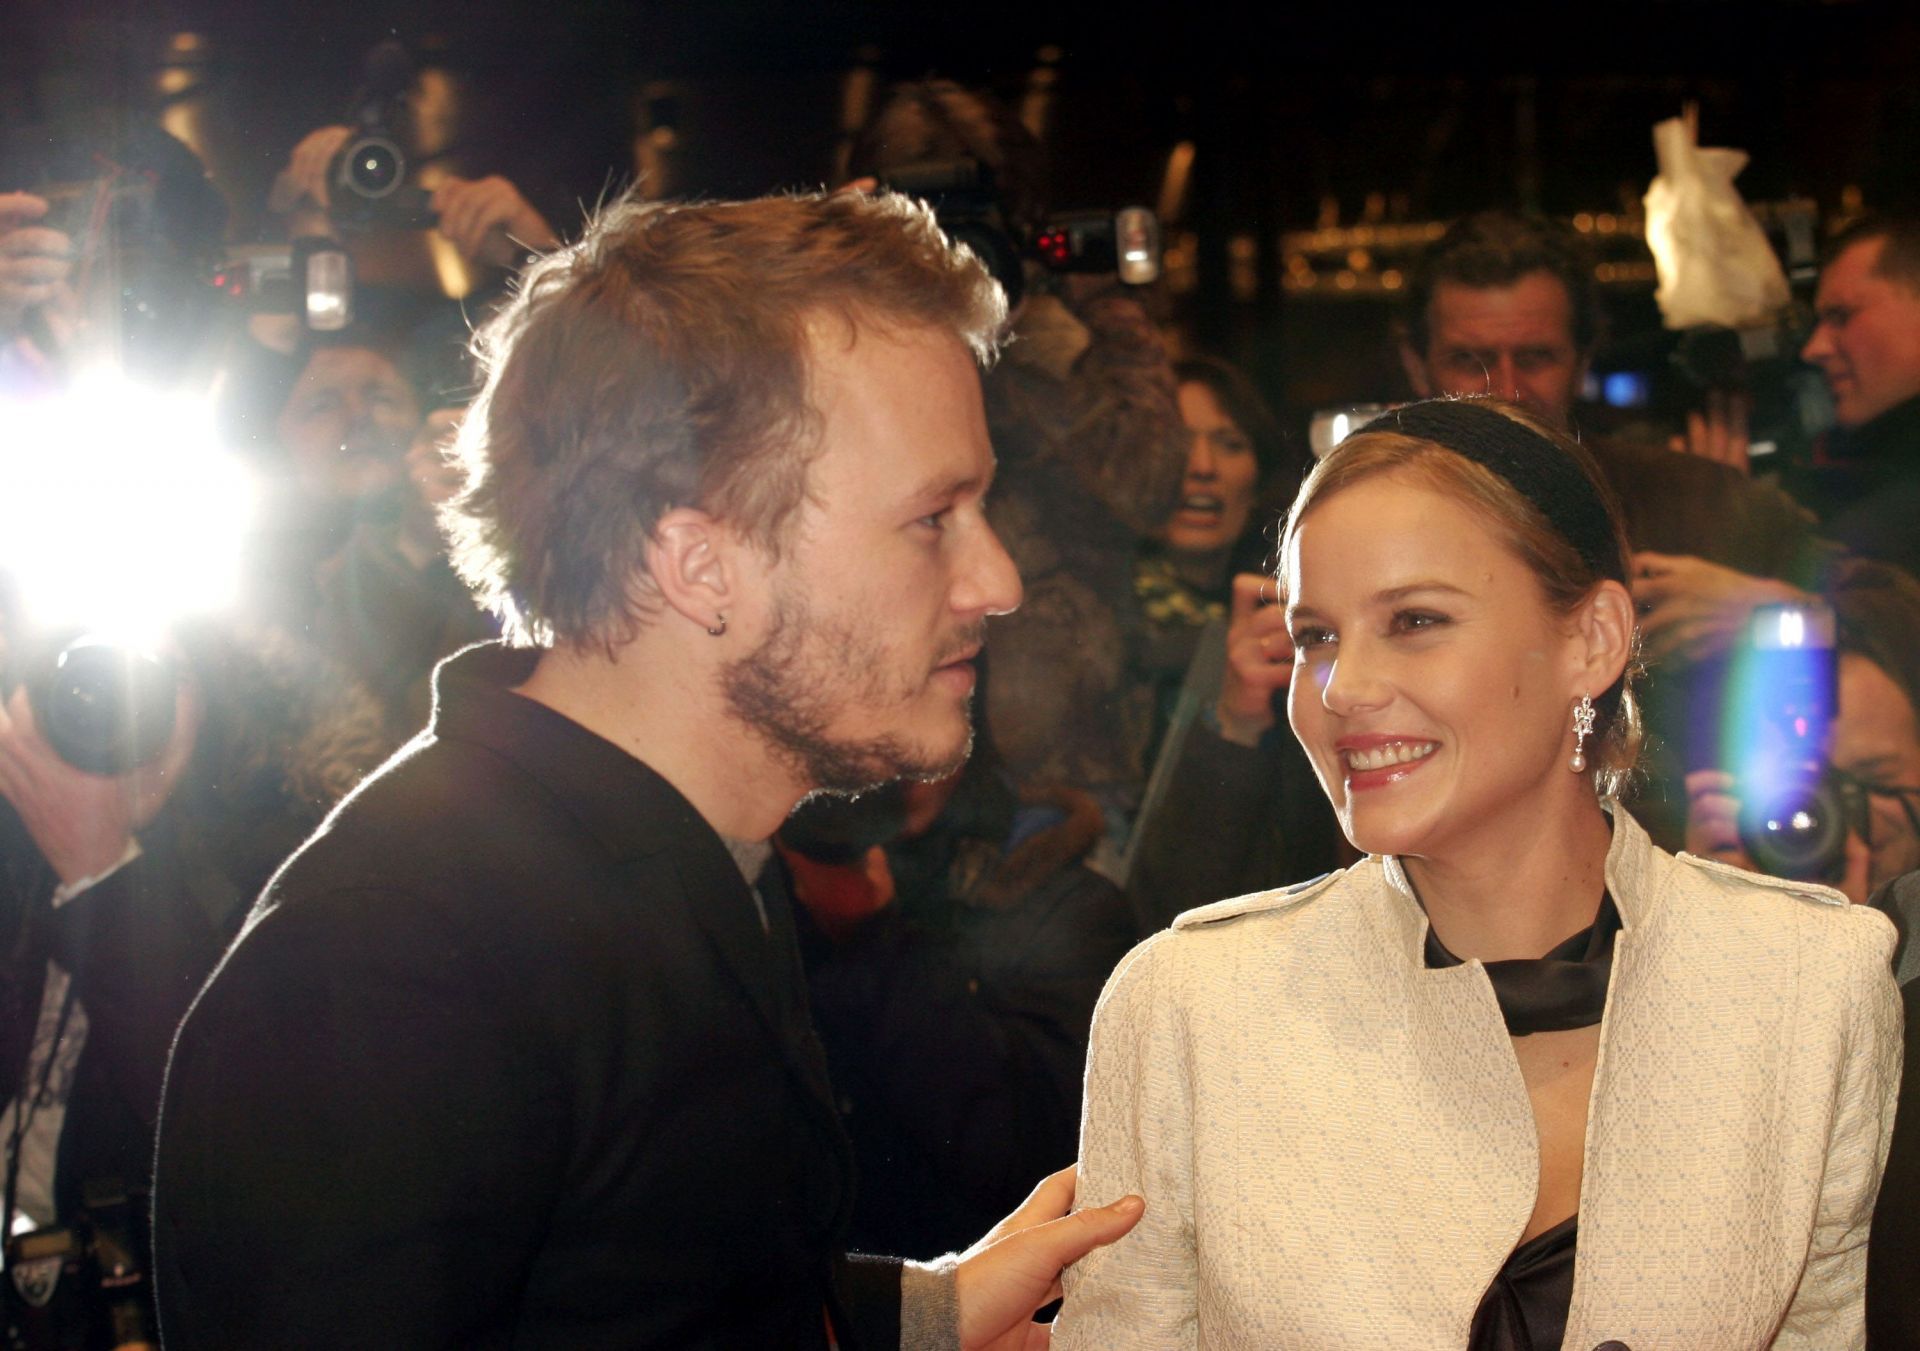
pixel 663 361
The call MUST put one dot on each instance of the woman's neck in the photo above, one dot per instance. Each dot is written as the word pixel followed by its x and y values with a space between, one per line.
pixel 1517 894
pixel 1204 572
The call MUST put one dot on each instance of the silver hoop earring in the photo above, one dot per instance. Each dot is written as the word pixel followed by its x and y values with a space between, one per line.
pixel 1582 729
pixel 719 628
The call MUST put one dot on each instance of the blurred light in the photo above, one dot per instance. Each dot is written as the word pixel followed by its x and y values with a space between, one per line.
pixel 1626 389
pixel 1793 628
pixel 1173 185
pixel 1243 267
pixel 329 291
pixel 122 512
pixel 449 268
pixel 186 42
pixel 1391 279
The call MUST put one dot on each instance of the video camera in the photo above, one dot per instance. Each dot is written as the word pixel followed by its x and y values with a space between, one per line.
pixel 962 193
pixel 370 181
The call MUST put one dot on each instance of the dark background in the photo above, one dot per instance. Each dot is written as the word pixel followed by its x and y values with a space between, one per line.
pixel 1337 114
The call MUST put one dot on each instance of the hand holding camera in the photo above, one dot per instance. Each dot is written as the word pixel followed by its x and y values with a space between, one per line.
pixel 83 822
pixel 1714 812
pixel 1259 660
pixel 36 261
pixel 1692 609
pixel 489 221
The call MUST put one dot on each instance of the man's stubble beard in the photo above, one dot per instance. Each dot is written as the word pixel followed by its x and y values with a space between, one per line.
pixel 784 692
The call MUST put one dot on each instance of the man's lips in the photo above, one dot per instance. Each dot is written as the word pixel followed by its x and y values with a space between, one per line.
pixel 958 669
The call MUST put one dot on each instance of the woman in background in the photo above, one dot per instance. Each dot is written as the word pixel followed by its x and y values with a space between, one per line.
pixel 1518 1079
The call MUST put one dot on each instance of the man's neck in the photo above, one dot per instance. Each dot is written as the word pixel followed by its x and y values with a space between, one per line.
pixel 667 712
pixel 1891 437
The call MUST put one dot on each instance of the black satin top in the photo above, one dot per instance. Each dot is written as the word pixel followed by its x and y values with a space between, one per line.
pixel 1525 1309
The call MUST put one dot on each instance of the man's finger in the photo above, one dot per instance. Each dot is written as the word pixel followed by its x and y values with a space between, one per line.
pixel 1062 1242
pixel 21 206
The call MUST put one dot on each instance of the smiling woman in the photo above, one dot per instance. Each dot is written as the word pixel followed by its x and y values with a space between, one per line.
pixel 1519 1078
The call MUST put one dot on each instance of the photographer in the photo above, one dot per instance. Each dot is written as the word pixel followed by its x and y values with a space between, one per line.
pixel 1873 751
pixel 954 944
pixel 487 219
pixel 119 891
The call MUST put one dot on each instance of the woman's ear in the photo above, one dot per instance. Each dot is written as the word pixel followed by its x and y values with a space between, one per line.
pixel 690 559
pixel 1605 629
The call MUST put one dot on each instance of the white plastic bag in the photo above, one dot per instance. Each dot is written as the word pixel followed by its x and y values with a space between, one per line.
pixel 1714 261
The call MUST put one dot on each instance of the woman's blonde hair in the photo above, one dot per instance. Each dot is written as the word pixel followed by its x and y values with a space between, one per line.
pixel 1566 577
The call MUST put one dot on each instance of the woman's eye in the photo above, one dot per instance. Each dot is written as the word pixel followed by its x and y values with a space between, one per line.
pixel 1413 621
pixel 1305 638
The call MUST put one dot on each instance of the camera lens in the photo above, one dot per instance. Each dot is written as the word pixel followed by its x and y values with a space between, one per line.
pixel 372 167
pixel 1802 835
pixel 105 709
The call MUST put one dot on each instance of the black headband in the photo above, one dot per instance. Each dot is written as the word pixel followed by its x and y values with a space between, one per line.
pixel 1539 470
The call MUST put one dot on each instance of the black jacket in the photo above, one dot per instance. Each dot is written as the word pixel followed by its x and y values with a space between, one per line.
pixel 505 1056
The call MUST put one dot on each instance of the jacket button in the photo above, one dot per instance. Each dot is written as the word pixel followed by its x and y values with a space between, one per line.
pixel 1611 1345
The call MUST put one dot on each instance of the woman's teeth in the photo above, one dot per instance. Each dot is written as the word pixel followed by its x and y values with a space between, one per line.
pixel 1200 502
pixel 1393 753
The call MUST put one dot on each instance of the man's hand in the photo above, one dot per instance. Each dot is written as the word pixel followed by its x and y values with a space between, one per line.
pixel 36 263
pixel 489 221
pixel 1016 1268
pixel 1693 609
pixel 303 182
pixel 1718 432
pixel 82 823
pixel 1259 660
pixel 1713 819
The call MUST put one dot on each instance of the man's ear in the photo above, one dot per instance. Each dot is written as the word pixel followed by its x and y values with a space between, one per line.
pixel 693 560
pixel 1606 636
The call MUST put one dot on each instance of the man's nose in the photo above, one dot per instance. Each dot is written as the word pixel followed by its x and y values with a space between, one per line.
pixel 988 582
pixel 1819 346
pixel 1505 380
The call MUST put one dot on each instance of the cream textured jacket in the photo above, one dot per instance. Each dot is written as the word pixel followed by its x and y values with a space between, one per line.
pixel 1337 1149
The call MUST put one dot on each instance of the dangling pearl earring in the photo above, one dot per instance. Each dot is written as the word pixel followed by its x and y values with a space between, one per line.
pixel 1582 729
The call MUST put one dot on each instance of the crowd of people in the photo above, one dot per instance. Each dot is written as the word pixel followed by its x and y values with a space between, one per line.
pixel 831 724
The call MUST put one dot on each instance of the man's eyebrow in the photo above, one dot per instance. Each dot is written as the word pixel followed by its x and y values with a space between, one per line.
pixel 1874 765
pixel 946 489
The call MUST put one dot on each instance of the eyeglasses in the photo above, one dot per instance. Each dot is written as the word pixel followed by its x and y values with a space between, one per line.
pixel 1857 796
